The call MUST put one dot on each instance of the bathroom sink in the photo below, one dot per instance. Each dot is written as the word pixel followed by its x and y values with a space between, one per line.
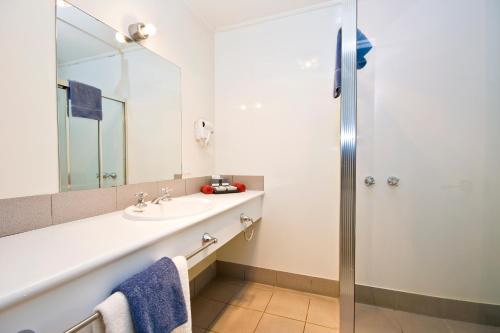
pixel 165 210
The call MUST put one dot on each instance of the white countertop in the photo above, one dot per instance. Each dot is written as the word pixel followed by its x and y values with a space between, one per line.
pixel 37 260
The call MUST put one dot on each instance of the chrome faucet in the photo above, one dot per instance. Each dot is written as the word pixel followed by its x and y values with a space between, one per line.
pixel 140 200
pixel 164 196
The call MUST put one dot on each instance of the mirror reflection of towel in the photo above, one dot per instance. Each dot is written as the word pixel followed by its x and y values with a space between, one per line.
pixel 363 47
pixel 86 101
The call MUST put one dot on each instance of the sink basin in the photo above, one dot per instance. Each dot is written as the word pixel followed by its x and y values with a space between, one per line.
pixel 165 210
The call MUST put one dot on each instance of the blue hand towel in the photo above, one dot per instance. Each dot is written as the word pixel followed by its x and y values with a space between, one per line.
pixel 86 101
pixel 155 298
pixel 363 46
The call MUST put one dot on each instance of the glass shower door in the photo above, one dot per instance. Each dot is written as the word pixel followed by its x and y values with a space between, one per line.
pixel 92 153
pixel 428 122
pixel 113 142
pixel 84 153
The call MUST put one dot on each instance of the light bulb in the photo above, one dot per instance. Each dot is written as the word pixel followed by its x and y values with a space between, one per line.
pixel 243 107
pixel 149 29
pixel 258 106
pixel 120 38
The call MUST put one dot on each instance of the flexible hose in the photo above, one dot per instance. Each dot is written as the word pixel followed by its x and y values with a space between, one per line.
pixel 248 239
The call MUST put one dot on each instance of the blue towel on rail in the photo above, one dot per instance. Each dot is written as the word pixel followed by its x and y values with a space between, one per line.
pixel 362 48
pixel 86 101
pixel 155 298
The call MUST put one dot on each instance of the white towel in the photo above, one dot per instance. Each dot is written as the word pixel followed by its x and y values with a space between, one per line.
pixel 181 264
pixel 115 315
pixel 115 311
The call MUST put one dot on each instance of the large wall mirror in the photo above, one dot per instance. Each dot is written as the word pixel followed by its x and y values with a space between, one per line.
pixel 119 107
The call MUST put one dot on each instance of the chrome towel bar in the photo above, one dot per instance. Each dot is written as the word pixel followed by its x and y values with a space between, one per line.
pixel 206 241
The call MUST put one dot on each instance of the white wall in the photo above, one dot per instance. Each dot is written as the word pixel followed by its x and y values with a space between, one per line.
pixel 28 129
pixel 429 112
pixel 292 140
pixel 29 126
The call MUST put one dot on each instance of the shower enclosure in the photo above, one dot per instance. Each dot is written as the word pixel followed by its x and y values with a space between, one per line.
pixel 420 219
pixel 92 154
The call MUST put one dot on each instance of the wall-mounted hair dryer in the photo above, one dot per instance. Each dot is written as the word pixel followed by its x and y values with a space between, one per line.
pixel 203 129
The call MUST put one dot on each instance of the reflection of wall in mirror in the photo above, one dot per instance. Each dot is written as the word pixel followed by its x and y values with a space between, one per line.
pixel 151 88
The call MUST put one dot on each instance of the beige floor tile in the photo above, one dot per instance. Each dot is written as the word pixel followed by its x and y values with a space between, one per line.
pixel 374 319
pixel 324 312
pixel 253 296
pixel 221 291
pixel 236 320
pixel 274 324
pixel 463 327
pixel 204 311
pixel 414 323
pixel 290 305
pixel 311 328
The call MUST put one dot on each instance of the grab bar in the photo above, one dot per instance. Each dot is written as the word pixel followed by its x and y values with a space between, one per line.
pixel 206 240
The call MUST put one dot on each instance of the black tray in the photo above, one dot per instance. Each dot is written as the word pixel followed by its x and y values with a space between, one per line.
pixel 224 192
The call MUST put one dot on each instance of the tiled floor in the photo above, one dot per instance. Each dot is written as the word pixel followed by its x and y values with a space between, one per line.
pixel 231 306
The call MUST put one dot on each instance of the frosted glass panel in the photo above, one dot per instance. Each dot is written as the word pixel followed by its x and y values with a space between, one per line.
pixel 62 112
pixel 113 143
pixel 84 153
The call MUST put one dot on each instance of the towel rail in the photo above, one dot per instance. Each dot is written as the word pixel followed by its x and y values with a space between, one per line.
pixel 206 241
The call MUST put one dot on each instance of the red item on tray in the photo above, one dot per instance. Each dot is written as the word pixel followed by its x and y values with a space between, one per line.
pixel 207 189
pixel 240 186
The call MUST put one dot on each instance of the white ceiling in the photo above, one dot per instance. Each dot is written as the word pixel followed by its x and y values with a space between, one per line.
pixel 222 13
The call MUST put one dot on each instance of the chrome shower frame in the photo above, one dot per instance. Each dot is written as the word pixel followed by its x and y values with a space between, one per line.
pixel 348 132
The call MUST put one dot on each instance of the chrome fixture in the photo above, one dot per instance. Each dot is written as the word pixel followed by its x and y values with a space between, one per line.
pixel 348 142
pixel 140 31
pixel 369 181
pixel 247 223
pixel 140 200
pixel 164 196
pixel 393 181
pixel 111 175
pixel 206 241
